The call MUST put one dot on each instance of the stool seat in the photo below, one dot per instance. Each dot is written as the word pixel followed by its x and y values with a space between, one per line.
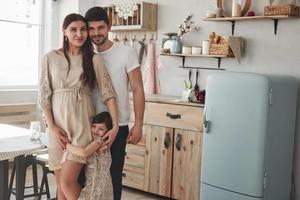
pixel 43 158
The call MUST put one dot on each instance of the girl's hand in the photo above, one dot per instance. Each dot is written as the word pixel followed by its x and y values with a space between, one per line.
pixel 60 136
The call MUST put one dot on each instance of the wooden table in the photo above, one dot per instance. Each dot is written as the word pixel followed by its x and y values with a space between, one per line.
pixel 15 143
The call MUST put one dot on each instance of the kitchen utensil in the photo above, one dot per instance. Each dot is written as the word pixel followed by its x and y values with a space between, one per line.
pixel 188 84
pixel 195 91
pixel 196 87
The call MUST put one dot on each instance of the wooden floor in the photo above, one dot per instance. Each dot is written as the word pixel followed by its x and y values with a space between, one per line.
pixel 128 193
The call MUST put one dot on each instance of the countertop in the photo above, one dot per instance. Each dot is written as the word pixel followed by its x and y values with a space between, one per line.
pixel 170 100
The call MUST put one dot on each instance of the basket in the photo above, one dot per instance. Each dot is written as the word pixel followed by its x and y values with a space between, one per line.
pixel 289 9
pixel 222 48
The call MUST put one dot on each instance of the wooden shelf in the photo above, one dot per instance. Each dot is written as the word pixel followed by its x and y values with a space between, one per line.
pixel 247 18
pixel 128 28
pixel 192 55
pixel 219 57
pixel 143 19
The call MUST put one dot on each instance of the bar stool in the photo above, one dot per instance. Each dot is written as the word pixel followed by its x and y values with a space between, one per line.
pixel 33 161
pixel 30 161
pixel 42 160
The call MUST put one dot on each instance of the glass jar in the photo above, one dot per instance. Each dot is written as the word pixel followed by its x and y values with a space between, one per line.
pixel 236 8
pixel 35 129
pixel 177 46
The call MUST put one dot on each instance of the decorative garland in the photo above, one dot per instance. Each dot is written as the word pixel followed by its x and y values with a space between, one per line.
pixel 126 9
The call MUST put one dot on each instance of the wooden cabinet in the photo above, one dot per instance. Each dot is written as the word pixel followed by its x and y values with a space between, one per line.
pixel 167 160
pixel 186 165
pixel 160 153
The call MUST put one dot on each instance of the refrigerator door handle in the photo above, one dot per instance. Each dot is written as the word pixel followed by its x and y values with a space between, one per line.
pixel 206 122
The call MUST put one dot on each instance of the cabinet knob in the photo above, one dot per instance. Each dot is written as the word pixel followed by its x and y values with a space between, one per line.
pixel 167 140
pixel 124 174
pixel 173 116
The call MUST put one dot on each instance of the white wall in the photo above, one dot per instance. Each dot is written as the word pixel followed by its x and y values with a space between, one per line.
pixel 65 7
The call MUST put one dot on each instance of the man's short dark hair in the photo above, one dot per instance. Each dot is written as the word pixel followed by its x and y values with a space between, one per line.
pixel 103 117
pixel 96 14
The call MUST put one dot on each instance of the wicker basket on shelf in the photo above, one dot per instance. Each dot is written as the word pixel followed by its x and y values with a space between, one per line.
pixel 289 9
pixel 221 48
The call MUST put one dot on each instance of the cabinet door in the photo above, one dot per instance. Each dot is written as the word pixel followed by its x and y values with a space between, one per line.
pixel 158 163
pixel 186 165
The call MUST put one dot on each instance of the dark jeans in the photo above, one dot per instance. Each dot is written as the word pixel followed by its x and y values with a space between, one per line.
pixel 81 177
pixel 117 151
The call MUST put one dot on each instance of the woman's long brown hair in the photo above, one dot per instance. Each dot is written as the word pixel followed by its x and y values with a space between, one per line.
pixel 88 75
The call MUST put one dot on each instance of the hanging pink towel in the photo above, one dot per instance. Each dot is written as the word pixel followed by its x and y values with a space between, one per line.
pixel 150 71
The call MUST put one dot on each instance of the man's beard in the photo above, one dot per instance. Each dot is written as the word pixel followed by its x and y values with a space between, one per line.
pixel 101 41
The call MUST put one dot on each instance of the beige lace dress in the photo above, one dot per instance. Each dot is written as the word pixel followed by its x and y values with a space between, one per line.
pixel 98 185
pixel 70 101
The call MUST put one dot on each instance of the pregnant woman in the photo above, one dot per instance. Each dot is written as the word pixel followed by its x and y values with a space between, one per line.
pixel 68 76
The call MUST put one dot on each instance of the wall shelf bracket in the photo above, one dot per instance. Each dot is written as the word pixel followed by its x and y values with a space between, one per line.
pixel 275 19
pixel 219 62
pixel 206 68
pixel 232 27
pixel 183 60
pixel 275 25
pixel 218 68
pixel 183 57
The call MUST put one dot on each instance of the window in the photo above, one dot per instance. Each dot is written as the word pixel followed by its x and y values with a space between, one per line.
pixel 20 22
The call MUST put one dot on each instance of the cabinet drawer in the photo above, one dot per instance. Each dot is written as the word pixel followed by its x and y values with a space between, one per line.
pixel 191 118
pixel 133 177
pixel 135 156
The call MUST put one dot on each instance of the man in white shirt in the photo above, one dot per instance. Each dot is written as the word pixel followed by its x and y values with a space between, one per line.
pixel 123 67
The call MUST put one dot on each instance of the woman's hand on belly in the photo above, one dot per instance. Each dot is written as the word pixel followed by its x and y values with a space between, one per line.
pixel 60 136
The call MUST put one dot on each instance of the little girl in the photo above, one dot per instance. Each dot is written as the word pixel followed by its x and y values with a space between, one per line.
pixel 98 184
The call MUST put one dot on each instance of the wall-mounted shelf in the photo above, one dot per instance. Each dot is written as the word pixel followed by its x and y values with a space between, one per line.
pixel 143 19
pixel 218 57
pixel 252 18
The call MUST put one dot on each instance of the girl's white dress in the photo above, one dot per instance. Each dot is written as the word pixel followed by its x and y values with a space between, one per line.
pixel 98 185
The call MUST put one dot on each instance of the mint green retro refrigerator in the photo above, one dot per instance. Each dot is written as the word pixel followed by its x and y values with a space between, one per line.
pixel 248 137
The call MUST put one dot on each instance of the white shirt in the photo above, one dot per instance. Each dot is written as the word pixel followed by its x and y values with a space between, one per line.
pixel 119 61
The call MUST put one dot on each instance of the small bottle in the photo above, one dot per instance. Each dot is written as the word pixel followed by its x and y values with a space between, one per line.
pixel 219 12
pixel 205 47
pixel 236 8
